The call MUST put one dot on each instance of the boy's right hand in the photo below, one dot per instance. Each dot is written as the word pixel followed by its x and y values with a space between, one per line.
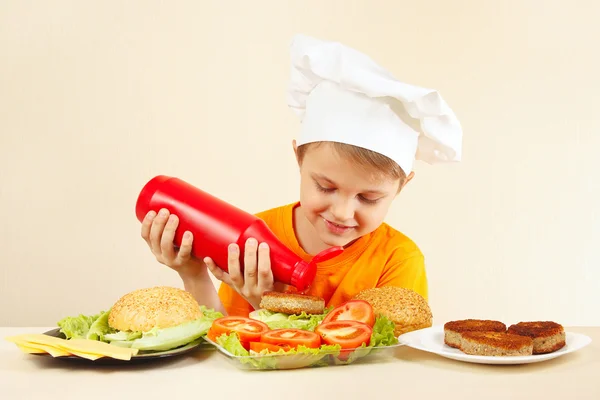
pixel 158 230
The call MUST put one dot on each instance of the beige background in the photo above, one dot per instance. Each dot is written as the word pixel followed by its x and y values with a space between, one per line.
pixel 98 97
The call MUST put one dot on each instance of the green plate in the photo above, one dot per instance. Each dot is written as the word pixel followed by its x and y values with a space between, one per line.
pixel 142 356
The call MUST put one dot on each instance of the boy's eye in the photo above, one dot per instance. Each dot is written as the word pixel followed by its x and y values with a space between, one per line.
pixel 368 201
pixel 323 189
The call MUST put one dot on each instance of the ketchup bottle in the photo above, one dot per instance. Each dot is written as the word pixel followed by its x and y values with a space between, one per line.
pixel 215 224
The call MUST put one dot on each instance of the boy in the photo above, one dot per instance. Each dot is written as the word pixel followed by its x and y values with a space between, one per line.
pixel 361 132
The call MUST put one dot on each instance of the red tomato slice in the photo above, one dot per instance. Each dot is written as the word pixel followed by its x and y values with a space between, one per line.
pixel 291 338
pixel 352 310
pixel 348 334
pixel 260 346
pixel 248 330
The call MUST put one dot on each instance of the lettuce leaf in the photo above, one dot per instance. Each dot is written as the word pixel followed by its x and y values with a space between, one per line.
pixel 95 327
pixel 79 326
pixel 210 313
pixel 100 328
pixel 383 332
pixel 122 336
pixel 304 321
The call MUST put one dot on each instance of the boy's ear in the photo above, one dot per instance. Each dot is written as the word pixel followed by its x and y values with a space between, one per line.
pixel 408 179
pixel 295 146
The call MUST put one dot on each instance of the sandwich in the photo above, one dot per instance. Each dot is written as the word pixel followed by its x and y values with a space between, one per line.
pixel 150 319
pixel 408 310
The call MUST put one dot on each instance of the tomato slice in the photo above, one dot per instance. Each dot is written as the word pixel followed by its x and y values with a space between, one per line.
pixel 291 338
pixel 247 329
pixel 348 334
pixel 260 346
pixel 352 310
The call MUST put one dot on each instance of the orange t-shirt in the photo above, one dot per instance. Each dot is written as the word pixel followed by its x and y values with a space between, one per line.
pixel 385 257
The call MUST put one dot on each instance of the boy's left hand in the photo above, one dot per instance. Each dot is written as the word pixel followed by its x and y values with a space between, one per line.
pixel 257 277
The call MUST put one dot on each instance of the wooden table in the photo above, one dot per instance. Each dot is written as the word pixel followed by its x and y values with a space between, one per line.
pixel 409 374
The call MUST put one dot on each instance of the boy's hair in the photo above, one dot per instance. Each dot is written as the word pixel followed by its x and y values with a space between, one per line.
pixel 368 159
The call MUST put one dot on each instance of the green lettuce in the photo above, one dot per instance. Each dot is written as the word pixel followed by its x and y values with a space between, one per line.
pixel 383 332
pixel 100 328
pixel 274 320
pixel 79 326
pixel 95 327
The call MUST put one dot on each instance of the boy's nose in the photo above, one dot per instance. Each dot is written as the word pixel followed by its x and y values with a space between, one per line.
pixel 342 210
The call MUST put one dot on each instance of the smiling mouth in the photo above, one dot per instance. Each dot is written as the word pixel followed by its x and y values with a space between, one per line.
pixel 337 228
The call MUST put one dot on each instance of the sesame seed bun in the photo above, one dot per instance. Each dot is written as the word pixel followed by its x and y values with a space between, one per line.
pixel 406 308
pixel 160 307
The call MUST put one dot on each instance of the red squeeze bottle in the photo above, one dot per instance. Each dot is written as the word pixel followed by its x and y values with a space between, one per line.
pixel 215 224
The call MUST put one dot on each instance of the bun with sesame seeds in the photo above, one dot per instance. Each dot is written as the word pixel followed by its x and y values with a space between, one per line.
pixel 406 308
pixel 158 307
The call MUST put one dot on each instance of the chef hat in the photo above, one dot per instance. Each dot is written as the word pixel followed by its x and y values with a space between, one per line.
pixel 342 95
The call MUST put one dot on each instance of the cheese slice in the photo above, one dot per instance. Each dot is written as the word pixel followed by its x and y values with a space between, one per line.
pixel 94 347
pixel 39 343
pixel 31 350
pixel 85 348
pixel 42 348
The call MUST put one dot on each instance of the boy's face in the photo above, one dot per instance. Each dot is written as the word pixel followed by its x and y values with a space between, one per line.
pixel 341 200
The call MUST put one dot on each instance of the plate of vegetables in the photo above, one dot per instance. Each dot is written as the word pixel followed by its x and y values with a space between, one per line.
pixel 293 331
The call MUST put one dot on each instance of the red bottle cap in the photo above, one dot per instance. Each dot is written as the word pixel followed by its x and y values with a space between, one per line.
pixel 304 273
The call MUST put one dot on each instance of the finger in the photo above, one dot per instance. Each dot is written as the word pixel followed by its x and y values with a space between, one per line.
pixel 233 265
pixel 185 250
pixel 166 241
pixel 146 225
pixel 250 264
pixel 156 231
pixel 265 275
pixel 217 272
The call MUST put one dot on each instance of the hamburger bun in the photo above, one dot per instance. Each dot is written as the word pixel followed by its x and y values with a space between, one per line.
pixel 157 307
pixel 407 309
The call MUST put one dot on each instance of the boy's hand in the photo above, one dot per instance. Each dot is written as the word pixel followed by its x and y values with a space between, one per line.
pixel 159 232
pixel 257 276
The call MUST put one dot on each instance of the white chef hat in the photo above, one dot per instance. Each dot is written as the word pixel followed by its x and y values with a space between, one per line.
pixel 342 95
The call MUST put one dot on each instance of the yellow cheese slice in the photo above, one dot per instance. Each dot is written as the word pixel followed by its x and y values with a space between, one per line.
pixel 53 351
pixel 31 350
pixel 35 338
pixel 90 349
pixel 98 348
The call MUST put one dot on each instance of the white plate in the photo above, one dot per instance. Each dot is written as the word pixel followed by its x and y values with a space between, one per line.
pixel 432 340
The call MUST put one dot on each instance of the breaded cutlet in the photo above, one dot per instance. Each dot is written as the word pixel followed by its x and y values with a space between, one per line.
pixel 547 336
pixel 292 303
pixel 496 344
pixel 453 330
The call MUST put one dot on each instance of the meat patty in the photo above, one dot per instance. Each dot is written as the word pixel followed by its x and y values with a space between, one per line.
pixel 453 330
pixel 547 336
pixel 292 303
pixel 496 344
